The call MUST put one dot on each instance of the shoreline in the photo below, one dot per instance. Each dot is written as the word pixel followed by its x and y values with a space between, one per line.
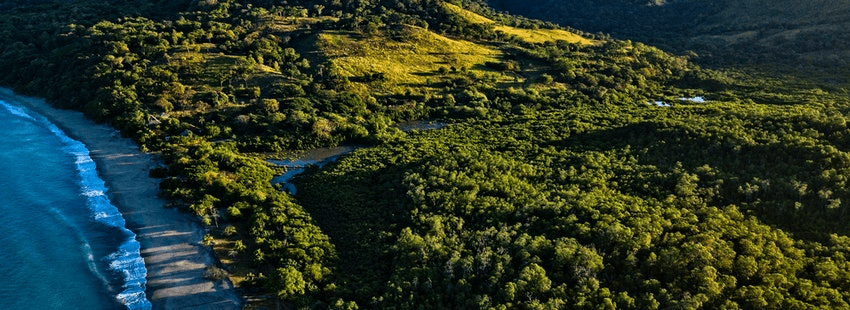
pixel 171 241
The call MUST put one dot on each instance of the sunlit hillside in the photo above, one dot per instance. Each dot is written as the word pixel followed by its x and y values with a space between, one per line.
pixel 416 58
pixel 530 35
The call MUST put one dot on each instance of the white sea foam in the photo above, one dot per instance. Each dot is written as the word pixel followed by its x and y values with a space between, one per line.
pixel 17 111
pixel 127 261
pixel 85 246
pixel 82 160
pixel 93 193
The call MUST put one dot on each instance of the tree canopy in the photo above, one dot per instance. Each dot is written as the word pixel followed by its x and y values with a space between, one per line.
pixel 576 170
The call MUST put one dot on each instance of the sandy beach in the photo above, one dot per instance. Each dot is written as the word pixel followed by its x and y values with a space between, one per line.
pixel 171 241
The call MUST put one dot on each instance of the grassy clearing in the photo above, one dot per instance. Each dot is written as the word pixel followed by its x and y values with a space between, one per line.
pixel 217 69
pixel 468 15
pixel 528 35
pixel 409 61
pixel 544 35
pixel 291 24
pixel 421 60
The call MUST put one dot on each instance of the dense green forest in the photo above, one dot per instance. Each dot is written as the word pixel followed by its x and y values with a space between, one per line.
pixel 577 171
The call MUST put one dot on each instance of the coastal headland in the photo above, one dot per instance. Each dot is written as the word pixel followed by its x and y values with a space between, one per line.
pixel 171 241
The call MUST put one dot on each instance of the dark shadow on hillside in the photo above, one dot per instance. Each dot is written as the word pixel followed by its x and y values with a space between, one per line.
pixel 361 211
pixel 786 37
pixel 425 74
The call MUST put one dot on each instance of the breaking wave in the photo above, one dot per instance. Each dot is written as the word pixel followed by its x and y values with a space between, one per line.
pixel 127 260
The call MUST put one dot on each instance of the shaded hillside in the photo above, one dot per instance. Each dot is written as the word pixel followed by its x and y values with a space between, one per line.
pixel 785 31
pixel 817 30
pixel 621 18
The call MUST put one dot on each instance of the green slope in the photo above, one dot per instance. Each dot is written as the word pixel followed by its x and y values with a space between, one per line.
pixel 559 182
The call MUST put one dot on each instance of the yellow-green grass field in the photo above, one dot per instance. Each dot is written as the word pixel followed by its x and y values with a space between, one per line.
pixel 409 61
pixel 528 35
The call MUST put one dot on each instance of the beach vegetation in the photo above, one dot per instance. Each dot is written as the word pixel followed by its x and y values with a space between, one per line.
pixel 214 273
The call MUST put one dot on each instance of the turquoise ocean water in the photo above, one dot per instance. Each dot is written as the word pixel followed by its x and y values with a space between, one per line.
pixel 63 245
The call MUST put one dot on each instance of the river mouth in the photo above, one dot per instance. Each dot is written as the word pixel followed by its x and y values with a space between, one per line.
pixel 300 162
pixel 321 156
